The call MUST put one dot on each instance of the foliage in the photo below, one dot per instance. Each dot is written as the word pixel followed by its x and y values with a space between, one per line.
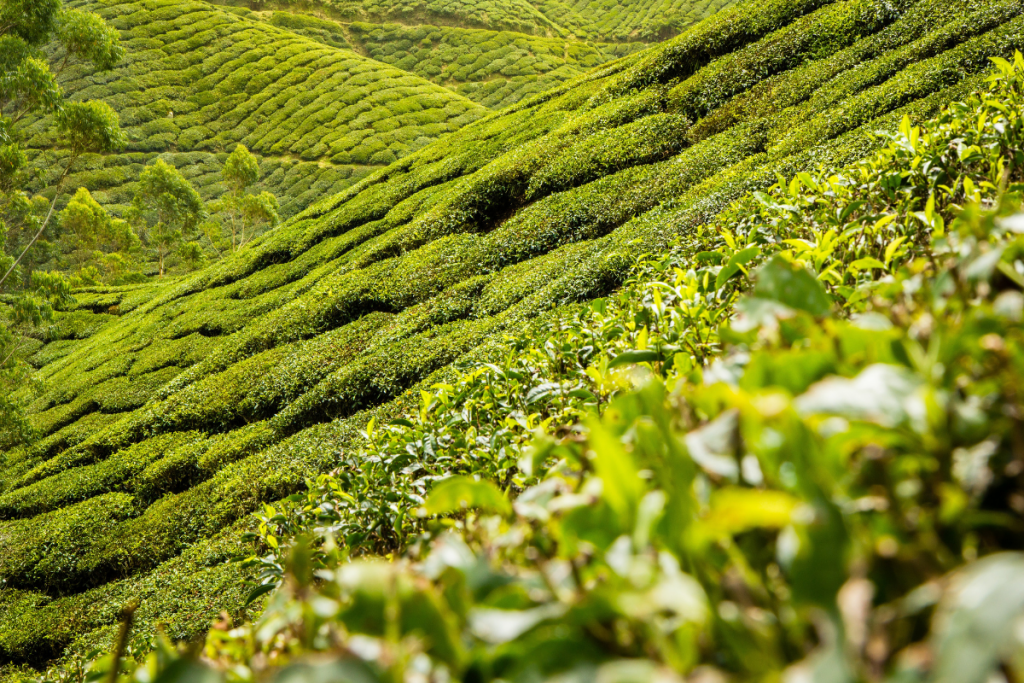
pixel 493 68
pixel 92 236
pixel 246 215
pixel 791 453
pixel 29 88
pixel 284 351
pixel 166 208
pixel 609 20
pixel 247 90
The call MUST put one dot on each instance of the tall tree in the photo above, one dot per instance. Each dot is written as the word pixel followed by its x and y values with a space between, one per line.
pixel 244 213
pixel 29 89
pixel 91 237
pixel 167 208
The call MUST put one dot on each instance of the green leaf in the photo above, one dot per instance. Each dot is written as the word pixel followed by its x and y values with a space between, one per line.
pixel 402 422
pixel 882 393
pixel 981 268
pixel 542 391
pixel 634 357
pixel 713 445
pixel 736 261
pixel 850 208
pixel 497 626
pixel 338 671
pixel 619 475
pixel 753 313
pixel 867 264
pixel 461 493
pixel 736 510
pixel 779 280
pixel 583 394
pixel 188 671
pixel 978 620
pixel 259 591
pixel 706 257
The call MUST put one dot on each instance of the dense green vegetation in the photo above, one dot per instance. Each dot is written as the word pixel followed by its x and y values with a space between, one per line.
pixel 495 69
pixel 29 89
pixel 113 179
pixel 609 20
pixel 799 421
pixel 197 80
pixel 168 412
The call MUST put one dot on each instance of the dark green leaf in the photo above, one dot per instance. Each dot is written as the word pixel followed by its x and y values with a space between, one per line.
pixel 779 280
pixel 459 493
pixel 634 357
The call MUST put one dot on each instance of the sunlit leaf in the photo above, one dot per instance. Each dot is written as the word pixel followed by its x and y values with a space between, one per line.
pixel 795 287
pixel 460 493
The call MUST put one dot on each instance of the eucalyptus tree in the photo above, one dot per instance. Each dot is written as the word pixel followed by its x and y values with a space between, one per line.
pixel 90 236
pixel 167 209
pixel 244 213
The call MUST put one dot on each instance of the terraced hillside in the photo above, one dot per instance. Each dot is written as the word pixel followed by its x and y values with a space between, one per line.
pixel 496 53
pixel 492 68
pixel 171 411
pixel 607 20
pixel 496 68
pixel 645 20
pixel 197 80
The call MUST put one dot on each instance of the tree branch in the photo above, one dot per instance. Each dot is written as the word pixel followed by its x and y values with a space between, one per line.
pixel 9 356
pixel 46 221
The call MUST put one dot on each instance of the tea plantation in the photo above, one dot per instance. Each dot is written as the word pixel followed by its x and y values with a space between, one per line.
pixel 197 80
pixel 493 68
pixel 604 20
pixel 495 53
pixel 297 184
pixel 169 412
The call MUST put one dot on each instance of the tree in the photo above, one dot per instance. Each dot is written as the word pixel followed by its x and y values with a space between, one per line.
pixel 91 236
pixel 245 214
pixel 167 208
pixel 29 90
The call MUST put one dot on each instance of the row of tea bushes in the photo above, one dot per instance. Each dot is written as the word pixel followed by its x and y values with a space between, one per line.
pixel 198 79
pixel 605 20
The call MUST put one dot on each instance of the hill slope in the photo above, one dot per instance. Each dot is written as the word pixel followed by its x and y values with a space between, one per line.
pixel 605 20
pixel 496 68
pixel 197 80
pixel 191 402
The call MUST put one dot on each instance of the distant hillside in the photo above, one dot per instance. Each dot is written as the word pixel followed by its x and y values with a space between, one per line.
pixel 496 68
pixel 197 80
pixel 173 410
pixel 496 52
pixel 606 20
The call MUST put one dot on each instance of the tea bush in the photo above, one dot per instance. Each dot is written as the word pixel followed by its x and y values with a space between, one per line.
pixel 281 354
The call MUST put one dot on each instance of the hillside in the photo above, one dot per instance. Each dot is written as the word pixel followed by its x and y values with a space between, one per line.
pixel 197 80
pixel 171 411
pixel 601 20
pixel 496 68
